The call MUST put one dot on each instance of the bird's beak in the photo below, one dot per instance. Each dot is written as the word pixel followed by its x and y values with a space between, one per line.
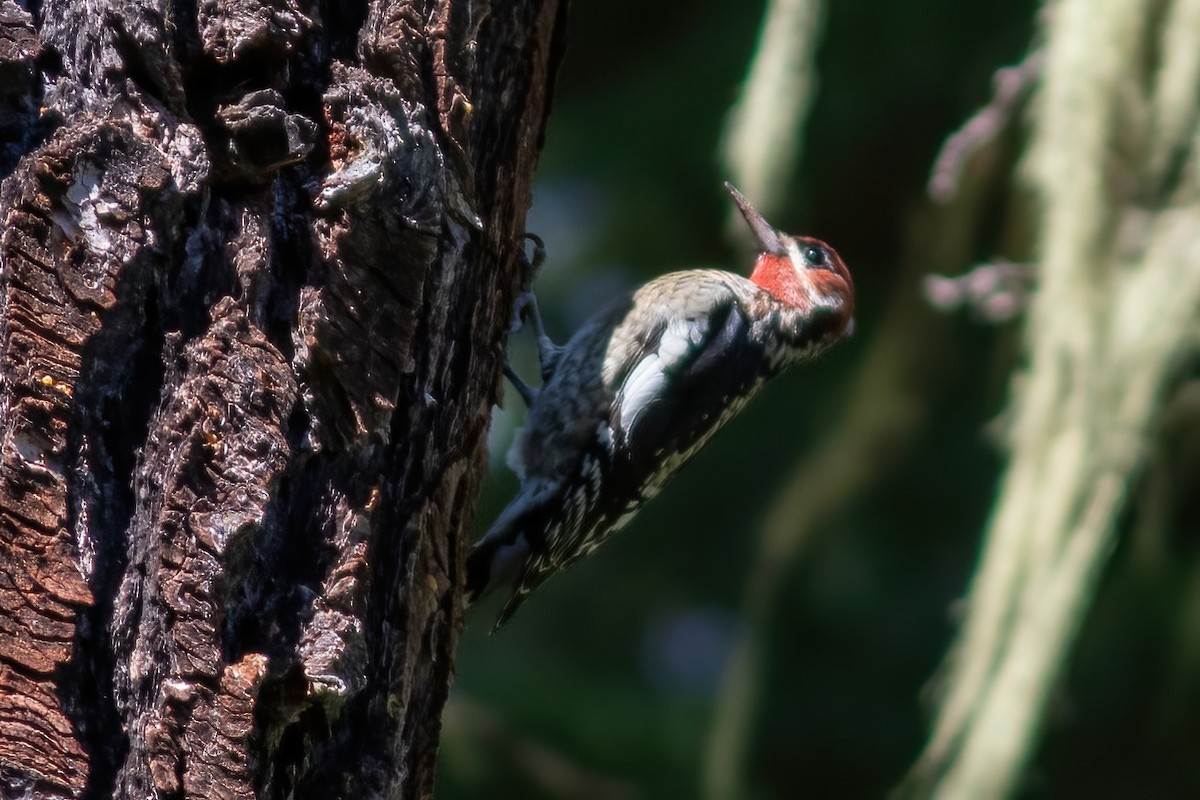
pixel 767 237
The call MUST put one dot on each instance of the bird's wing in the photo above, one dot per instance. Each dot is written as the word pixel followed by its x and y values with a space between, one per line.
pixel 692 374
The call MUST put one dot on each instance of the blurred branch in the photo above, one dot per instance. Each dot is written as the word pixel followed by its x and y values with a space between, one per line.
pixel 763 137
pixel 1011 86
pixel 1116 312
pixel 884 415
pixel 994 292
pixel 1173 106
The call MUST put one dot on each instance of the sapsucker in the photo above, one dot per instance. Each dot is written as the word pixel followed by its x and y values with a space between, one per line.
pixel 641 387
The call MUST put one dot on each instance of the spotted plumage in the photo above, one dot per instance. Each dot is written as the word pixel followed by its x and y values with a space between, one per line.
pixel 641 388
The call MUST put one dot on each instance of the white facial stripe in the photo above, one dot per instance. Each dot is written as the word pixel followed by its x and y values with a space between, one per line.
pixel 800 264
pixel 796 257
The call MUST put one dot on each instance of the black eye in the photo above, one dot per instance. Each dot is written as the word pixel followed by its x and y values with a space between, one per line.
pixel 816 256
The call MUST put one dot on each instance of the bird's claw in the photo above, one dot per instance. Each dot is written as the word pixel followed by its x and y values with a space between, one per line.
pixel 539 252
pixel 525 301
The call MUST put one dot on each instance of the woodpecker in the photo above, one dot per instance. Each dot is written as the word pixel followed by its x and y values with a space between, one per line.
pixel 641 388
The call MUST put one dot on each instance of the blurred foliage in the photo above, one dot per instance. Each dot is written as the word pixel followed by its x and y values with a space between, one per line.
pixel 604 684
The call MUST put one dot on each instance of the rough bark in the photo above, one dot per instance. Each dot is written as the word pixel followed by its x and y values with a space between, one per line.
pixel 256 261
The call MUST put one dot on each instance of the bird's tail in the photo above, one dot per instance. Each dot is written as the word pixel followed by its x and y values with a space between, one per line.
pixel 494 561
pixel 500 557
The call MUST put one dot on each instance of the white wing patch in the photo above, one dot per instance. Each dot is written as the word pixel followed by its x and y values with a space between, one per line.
pixel 643 385
pixel 645 382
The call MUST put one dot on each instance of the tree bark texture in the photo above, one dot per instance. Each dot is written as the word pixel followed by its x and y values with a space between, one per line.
pixel 257 263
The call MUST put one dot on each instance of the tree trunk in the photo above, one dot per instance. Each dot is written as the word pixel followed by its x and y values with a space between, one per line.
pixel 257 260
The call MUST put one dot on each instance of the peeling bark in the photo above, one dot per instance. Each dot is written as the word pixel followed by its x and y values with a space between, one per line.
pixel 256 262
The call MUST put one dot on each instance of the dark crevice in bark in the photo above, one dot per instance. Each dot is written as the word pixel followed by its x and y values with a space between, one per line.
pixel 199 273
pixel 119 385
pixel 23 56
pixel 116 410
pixel 139 71
pixel 253 590
pixel 343 25
pixel 291 270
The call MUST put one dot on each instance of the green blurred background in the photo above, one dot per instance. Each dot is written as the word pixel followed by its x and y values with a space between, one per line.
pixel 604 684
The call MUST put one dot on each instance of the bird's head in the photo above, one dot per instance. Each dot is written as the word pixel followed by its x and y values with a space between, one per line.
pixel 799 271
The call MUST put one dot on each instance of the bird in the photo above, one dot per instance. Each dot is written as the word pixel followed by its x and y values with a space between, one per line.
pixel 640 388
